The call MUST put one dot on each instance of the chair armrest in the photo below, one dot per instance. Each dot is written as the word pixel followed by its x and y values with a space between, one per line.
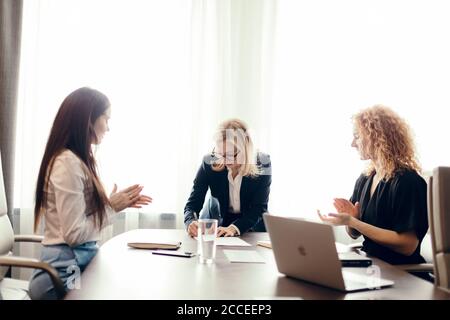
pixel 28 238
pixel 21 262
pixel 421 267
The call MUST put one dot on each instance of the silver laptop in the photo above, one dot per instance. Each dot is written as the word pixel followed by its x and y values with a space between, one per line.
pixel 306 250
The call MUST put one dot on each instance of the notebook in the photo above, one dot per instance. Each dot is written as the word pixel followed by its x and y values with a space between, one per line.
pixel 352 259
pixel 155 245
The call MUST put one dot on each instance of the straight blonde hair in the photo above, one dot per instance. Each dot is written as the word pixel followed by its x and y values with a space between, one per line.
pixel 236 131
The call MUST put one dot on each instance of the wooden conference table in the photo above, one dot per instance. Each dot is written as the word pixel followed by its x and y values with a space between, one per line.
pixel 120 272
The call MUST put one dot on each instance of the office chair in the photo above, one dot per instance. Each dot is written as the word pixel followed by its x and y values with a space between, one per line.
pixel 439 221
pixel 438 186
pixel 14 289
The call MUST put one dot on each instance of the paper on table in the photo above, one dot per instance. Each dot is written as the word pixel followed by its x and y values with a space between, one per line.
pixel 246 256
pixel 232 242
pixel 341 248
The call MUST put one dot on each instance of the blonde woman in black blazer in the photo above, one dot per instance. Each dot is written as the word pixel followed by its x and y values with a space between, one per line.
pixel 239 181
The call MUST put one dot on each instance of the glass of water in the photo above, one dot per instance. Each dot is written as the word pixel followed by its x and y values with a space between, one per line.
pixel 206 240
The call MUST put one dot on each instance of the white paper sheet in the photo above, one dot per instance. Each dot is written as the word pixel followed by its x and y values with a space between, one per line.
pixel 341 248
pixel 232 242
pixel 243 256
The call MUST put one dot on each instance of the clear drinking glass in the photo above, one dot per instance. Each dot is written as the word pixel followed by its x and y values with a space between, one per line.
pixel 206 240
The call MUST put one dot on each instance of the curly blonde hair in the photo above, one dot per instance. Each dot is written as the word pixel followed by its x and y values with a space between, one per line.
pixel 387 138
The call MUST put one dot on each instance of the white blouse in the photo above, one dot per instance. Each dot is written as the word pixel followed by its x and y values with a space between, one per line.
pixel 69 194
pixel 234 186
pixel 235 191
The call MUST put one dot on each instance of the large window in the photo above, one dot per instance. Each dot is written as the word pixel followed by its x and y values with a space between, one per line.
pixel 173 70
pixel 294 70
pixel 334 58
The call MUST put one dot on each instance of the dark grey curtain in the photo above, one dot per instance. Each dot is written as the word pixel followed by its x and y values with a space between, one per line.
pixel 10 34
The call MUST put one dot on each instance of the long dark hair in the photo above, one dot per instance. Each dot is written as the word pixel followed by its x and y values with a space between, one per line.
pixel 73 129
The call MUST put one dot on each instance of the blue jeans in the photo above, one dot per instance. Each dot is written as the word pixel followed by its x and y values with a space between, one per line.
pixel 68 262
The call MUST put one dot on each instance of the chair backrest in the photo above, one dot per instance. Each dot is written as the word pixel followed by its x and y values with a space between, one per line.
pixel 6 231
pixel 439 221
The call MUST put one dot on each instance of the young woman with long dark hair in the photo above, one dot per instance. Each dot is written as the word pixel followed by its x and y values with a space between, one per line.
pixel 70 198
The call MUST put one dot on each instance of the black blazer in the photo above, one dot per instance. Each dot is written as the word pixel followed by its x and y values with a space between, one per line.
pixel 254 194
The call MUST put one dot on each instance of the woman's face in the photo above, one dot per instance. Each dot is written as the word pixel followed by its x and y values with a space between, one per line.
pixel 101 126
pixel 358 144
pixel 232 155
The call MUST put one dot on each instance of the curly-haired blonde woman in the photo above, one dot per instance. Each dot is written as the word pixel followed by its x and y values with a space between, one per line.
pixel 239 180
pixel 389 205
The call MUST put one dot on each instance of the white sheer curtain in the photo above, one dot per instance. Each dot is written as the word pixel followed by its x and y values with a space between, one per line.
pixel 232 60
pixel 137 52
pixel 173 69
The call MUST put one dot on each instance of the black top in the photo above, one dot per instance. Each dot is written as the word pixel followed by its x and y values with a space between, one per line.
pixel 398 204
pixel 254 194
